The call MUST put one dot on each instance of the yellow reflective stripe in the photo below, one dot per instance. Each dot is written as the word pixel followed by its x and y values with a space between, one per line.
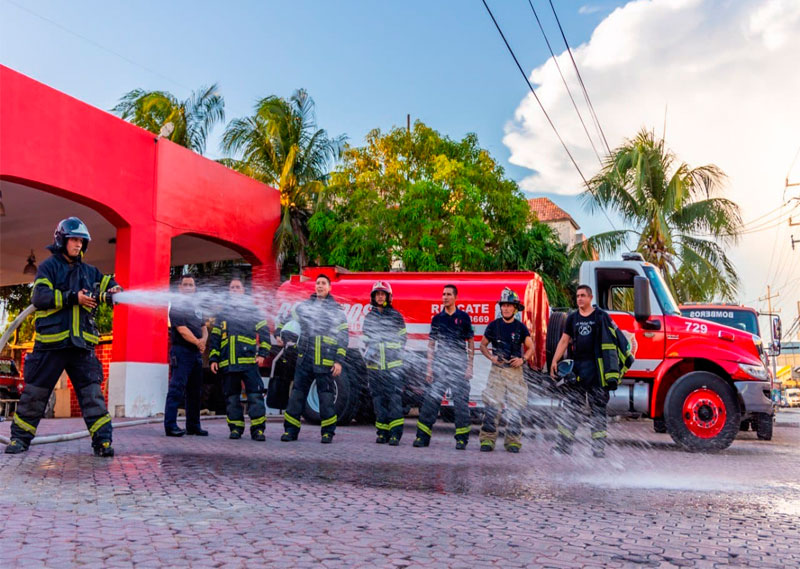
pixel 246 340
pixel 49 338
pixel 261 324
pixel 394 364
pixel 99 423
pixel 329 340
pixel 223 363
pixel 424 428
pixel 44 281
pixel 329 422
pixel 599 434
pixel 514 445
pixel 232 354
pixel 565 432
pixel 265 345
pixel 327 362
pixel 257 421
pixel 397 423
pixel 341 351
pixel 104 282
pixel 44 313
pixel 291 420
pixel 216 330
pixel 224 343
pixel 608 346
pixel 90 338
pixel 372 366
pixel 59 299
pixel 24 425
pixel 213 353
pixel 463 430
pixel 382 426
pixel 402 332
pixel 235 423
pixel 383 355
pixel 76 320
pixel 394 345
pixel 246 360
pixel 341 327
pixel 317 350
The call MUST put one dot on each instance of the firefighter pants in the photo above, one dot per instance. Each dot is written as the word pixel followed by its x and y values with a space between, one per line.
pixel 449 373
pixel 185 387
pixel 386 387
pixel 304 376
pixel 506 386
pixel 42 370
pixel 587 400
pixel 254 388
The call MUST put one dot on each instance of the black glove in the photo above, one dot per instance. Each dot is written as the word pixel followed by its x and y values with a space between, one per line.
pixel 612 384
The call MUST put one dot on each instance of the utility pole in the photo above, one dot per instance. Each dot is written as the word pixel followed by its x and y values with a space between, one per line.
pixel 772 315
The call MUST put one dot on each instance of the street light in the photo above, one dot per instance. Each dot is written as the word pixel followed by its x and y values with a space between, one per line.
pixel 30 268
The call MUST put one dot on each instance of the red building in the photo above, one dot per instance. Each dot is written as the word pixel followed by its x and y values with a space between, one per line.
pixel 149 204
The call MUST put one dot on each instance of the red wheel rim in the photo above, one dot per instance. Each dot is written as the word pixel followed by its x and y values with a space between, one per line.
pixel 704 413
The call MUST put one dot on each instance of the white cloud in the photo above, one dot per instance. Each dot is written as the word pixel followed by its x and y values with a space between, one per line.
pixel 729 74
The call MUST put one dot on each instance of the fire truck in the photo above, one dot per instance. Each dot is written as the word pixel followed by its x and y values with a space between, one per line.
pixel 696 379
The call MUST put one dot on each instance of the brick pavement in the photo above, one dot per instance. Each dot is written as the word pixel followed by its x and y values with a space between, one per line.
pixel 212 502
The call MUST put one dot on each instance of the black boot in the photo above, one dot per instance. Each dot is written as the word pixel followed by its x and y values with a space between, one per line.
pixel 422 440
pixel 288 437
pixel 235 435
pixel 381 439
pixel 394 441
pixel 103 449
pixel 327 438
pixel 487 446
pixel 258 435
pixel 16 446
pixel 461 444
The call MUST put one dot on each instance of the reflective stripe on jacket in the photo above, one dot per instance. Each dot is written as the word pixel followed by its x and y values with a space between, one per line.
pixel 384 336
pixel 615 357
pixel 237 338
pixel 61 322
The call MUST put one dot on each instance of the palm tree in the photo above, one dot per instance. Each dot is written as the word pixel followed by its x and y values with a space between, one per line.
pixel 281 145
pixel 191 119
pixel 672 209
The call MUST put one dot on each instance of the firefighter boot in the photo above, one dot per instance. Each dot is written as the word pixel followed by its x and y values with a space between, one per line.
pixel 327 438
pixel 258 435
pixel 461 443
pixel 599 444
pixel 422 440
pixel 236 434
pixel 16 446
pixel 487 446
pixel 103 449
pixel 381 438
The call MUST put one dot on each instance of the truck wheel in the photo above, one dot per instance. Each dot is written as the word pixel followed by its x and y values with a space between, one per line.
pixel 763 423
pixel 555 328
pixel 341 400
pixel 701 412
pixel 660 425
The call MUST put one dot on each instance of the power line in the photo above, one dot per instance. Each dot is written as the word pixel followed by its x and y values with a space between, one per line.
pixel 541 106
pixel 563 80
pixel 580 79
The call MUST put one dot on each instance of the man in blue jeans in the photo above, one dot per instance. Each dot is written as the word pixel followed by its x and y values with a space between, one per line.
pixel 189 336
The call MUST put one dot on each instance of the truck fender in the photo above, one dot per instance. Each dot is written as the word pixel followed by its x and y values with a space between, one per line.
pixel 672 368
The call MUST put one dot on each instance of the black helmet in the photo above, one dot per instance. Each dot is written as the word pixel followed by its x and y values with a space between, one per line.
pixel 71 227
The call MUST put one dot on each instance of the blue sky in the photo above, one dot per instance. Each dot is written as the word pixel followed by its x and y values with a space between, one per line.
pixel 366 64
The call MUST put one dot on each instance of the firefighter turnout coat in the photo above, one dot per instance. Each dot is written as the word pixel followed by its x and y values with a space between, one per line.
pixel 384 336
pixel 324 334
pixel 237 337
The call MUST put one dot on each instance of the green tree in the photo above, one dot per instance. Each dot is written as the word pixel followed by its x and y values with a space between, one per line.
pixel 191 119
pixel 280 145
pixel 434 204
pixel 673 211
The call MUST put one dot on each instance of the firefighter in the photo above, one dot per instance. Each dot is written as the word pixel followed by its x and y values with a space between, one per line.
pixel 321 353
pixel 511 348
pixel 66 293
pixel 451 349
pixel 239 344
pixel 384 336
pixel 601 355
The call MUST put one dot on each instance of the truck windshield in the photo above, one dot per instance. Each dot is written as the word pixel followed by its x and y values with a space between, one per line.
pixel 728 316
pixel 664 296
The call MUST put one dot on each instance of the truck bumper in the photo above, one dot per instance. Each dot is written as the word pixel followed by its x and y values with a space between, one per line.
pixel 754 396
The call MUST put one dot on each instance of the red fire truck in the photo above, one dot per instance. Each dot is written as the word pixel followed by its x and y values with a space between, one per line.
pixel 696 379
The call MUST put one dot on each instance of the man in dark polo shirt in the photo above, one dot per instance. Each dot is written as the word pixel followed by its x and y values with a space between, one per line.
pixel 451 348
pixel 189 336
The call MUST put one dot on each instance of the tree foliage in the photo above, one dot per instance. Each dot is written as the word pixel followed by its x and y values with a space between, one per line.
pixel 433 204
pixel 673 211
pixel 192 119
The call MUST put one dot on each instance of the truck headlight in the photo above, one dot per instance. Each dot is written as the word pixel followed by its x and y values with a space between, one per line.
pixel 758 372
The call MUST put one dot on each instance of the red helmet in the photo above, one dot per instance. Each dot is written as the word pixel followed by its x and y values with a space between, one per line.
pixel 381 286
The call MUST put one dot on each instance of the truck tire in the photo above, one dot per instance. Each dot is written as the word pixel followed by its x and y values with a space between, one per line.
pixel 763 426
pixel 702 412
pixel 660 425
pixel 555 328
pixel 341 400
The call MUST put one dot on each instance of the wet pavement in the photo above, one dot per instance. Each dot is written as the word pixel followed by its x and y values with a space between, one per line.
pixel 212 502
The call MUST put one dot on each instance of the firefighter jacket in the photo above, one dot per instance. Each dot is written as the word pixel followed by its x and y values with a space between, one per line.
pixel 60 321
pixel 237 337
pixel 384 337
pixel 614 357
pixel 323 332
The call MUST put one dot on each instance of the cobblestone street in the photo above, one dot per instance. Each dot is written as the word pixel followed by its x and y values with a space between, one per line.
pixel 211 502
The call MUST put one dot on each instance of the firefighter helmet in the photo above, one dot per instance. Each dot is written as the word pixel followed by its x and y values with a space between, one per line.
pixel 290 333
pixel 508 296
pixel 381 286
pixel 71 227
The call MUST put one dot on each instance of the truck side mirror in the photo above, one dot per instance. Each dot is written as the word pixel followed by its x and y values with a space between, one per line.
pixel 776 329
pixel 641 299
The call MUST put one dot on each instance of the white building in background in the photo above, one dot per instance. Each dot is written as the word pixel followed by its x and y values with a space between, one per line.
pixel 559 220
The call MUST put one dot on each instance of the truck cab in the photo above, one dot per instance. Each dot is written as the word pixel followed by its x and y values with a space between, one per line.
pixel 696 379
